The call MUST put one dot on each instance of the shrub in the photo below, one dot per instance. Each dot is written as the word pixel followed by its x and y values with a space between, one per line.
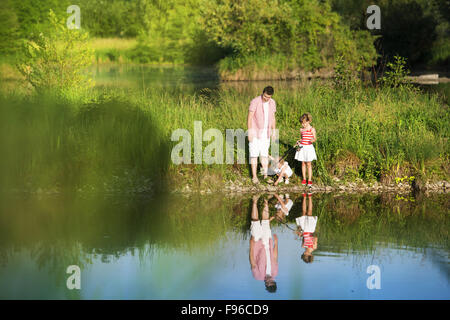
pixel 56 60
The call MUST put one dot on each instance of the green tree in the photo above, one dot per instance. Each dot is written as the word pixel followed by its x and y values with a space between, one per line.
pixel 56 60
pixel 9 28
pixel 307 33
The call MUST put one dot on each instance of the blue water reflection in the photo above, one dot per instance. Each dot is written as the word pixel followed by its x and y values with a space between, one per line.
pixel 196 266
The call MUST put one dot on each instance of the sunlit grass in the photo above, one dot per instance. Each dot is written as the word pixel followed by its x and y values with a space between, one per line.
pixel 112 43
pixel 364 134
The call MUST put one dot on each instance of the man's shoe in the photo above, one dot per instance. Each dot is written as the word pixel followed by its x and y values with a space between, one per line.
pixel 303 182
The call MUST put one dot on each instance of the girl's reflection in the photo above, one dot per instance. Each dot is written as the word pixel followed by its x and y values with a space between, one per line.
pixel 306 226
pixel 263 253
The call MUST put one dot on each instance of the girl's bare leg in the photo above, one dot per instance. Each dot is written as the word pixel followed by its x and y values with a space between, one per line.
pixel 310 206
pixel 304 170
pixel 308 164
pixel 304 206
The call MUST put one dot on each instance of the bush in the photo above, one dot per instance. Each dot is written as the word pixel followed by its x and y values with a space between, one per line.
pixel 396 74
pixel 56 60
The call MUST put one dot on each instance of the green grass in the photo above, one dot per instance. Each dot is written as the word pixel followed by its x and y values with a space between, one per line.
pixel 373 131
pixel 114 50
pixel 261 67
pixel 56 144
pixel 369 134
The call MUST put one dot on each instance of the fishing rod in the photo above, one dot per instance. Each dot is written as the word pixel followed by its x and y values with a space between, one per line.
pixel 285 223
pixel 298 147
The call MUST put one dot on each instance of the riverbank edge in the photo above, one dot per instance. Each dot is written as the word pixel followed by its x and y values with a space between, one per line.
pixel 230 187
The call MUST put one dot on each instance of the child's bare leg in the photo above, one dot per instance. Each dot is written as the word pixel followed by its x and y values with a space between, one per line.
pixel 308 164
pixel 280 176
pixel 304 170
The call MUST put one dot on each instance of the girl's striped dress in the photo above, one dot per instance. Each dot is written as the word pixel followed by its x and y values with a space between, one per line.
pixel 307 153
pixel 308 241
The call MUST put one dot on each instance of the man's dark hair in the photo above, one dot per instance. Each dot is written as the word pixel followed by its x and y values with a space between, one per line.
pixel 272 287
pixel 268 90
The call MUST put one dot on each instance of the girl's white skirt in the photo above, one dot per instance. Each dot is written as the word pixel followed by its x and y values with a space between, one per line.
pixel 306 154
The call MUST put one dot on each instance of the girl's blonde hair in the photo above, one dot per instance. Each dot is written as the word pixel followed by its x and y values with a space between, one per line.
pixel 306 117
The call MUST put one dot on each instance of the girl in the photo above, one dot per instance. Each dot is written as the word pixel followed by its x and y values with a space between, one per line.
pixel 306 227
pixel 306 153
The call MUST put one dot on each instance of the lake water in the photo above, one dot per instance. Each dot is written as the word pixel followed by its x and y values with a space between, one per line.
pixel 194 79
pixel 197 247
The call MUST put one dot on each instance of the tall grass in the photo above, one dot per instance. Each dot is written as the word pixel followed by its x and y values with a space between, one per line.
pixel 369 134
pixel 56 144
pixel 112 49
pixel 365 133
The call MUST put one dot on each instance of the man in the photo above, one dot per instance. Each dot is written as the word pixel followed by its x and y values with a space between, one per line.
pixel 263 251
pixel 261 126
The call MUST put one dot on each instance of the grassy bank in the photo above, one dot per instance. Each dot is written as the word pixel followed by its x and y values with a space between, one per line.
pixel 54 144
pixel 364 134
pixel 112 49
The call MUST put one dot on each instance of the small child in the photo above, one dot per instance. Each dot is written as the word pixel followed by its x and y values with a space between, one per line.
pixel 282 170
pixel 306 154
pixel 283 206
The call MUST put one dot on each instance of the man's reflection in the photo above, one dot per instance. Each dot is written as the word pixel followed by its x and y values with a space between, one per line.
pixel 306 226
pixel 263 253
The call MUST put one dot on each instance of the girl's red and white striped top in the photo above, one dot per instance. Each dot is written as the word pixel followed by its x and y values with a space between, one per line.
pixel 307 137
pixel 308 240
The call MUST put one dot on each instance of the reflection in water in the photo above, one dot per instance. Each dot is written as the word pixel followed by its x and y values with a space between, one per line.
pixel 173 247
pixel 263 250
pixel 306 227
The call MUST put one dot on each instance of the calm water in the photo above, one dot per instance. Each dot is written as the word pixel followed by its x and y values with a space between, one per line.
pixel 174 247
pixel 194 79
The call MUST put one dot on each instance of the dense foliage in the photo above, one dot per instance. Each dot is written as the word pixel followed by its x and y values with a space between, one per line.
pixel 56 60
pixel 276 34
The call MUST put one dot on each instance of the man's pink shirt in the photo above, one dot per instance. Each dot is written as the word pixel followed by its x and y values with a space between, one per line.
pixel 259 270
pixel 256 105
